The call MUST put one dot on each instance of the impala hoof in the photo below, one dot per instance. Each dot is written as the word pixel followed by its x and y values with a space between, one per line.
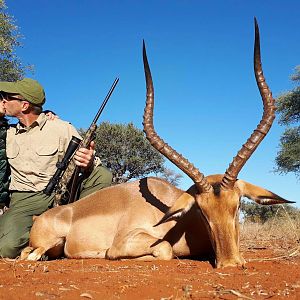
pixel 32 254
pixel 232 262
pixel 25 253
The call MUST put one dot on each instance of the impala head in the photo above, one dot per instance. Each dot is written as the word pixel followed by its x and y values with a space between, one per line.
pixel 218 196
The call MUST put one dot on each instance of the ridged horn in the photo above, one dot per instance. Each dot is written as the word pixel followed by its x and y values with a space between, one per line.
pixel 262 128
pixel 176 158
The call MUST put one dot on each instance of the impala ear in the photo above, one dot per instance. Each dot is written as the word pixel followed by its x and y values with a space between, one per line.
pixel 181 206
pixel 258 194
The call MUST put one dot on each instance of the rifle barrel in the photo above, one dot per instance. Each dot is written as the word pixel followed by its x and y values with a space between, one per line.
pixel 105 100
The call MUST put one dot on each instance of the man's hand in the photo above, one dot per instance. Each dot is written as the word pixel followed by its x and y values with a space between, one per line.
pixel 84 158
pixel 3 209
pixel 51 115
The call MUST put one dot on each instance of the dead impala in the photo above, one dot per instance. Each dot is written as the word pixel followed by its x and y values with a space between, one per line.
pixel 119 222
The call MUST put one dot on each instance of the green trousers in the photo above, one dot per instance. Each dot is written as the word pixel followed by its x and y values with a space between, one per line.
pixel 15 224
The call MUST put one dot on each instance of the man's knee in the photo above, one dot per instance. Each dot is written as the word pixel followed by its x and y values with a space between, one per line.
pixel 99 179
pixel 106 177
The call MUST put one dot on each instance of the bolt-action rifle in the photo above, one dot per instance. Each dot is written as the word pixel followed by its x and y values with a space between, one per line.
pixel 65 181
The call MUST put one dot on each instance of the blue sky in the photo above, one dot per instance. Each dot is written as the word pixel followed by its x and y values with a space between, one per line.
pixel 200 54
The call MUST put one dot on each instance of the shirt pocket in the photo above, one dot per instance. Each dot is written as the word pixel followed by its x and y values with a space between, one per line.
pixel 46 155
pixel 12 150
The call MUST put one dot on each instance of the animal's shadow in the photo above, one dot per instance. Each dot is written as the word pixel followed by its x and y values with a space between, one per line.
pixel 183 226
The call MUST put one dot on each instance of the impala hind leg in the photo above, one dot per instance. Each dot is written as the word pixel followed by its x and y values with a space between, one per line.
pixel 139 244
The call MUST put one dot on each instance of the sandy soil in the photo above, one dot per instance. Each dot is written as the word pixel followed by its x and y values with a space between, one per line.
pixel 266 276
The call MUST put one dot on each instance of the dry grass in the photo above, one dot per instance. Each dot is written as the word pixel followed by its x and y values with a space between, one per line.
pixel 280 234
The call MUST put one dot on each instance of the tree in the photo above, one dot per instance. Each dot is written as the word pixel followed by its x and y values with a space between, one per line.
pixel 171 176
pixel 126 152
pixel 256 213
pixel 124 149
pixel 11 68
pixel 288 107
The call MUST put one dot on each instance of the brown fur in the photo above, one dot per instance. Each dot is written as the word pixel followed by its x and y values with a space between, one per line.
pixel 118 223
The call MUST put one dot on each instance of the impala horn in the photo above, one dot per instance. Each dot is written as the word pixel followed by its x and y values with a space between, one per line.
pixel 182 163
pixel 263 127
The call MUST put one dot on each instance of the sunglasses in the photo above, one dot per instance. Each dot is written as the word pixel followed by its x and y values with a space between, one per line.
pixel 7 97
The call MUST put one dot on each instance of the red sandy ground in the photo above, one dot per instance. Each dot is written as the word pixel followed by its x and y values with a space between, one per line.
pixel 269 277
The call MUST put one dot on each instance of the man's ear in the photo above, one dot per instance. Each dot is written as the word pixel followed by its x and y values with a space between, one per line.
pixel 25 106
pixel 259 194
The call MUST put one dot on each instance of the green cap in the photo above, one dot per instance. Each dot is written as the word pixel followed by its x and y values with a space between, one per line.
pixel 29 89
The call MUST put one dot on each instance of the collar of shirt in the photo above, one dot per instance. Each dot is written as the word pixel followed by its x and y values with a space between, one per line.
pixel 40 122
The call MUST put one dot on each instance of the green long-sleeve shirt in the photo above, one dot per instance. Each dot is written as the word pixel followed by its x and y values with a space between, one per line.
pixel 4 168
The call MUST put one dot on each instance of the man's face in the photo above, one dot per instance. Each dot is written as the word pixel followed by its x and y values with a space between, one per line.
pixel 2 110
pixel 12 104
